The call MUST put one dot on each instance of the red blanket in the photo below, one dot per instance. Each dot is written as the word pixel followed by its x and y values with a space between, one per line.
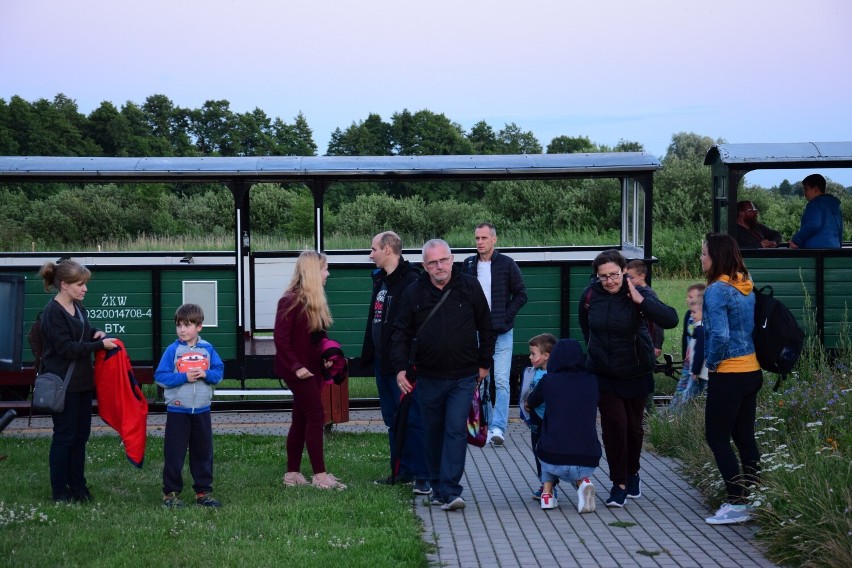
pixel 121 403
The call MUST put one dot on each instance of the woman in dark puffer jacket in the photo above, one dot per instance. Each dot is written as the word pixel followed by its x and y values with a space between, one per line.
pixel 613 314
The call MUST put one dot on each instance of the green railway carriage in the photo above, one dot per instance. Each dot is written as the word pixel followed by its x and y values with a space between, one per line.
pixel 817 279
pixel 134 295
pixel 135 298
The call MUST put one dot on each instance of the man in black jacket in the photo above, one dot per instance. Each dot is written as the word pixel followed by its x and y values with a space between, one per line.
pixel 506 293
pixel 391 277
pixel 751 234
pixel 451 348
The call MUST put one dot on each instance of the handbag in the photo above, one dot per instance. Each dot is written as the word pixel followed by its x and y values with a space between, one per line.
pixel 477 424
pixel 49 391
pixel 49 388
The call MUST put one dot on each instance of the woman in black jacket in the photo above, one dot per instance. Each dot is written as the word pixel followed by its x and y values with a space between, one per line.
pixel 68 338
pixel 614 316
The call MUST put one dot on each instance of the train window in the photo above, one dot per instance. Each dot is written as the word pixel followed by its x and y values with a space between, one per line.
pixel 633 220
pixel 204 293
pixel 720 202
pixel 12 312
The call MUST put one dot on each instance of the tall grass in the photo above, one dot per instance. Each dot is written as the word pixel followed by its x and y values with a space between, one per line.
pixel 804 501
pixel 261 523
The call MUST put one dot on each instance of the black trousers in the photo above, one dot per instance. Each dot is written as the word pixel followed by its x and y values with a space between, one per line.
pixel 71 429
pixel 192 432
pixel 730 414
pixel 622 433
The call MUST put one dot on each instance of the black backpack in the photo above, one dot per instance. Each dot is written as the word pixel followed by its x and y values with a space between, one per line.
pixel 778 339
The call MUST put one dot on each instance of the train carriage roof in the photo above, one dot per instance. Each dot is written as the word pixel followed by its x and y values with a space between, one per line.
pixel 294 168
pixel 781 155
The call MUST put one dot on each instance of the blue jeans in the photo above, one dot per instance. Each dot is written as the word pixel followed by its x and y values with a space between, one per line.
pixel 688 387
pixel 413 461
pixel 71 429
pixel 445 404
pixel 500 374
pixel 573 473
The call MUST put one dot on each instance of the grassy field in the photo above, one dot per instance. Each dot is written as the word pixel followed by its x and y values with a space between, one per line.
pixel 262 523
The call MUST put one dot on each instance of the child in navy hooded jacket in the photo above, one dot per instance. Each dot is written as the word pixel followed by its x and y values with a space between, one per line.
pixel 187 371
pixel 569 448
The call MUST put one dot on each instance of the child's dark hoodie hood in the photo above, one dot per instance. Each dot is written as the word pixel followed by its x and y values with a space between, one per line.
pixel 566 356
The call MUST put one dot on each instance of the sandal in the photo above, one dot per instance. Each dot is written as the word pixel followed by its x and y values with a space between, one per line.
pixel 294 478
pixel 327 481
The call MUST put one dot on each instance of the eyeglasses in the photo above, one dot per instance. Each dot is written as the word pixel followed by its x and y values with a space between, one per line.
pixel 614 276
pixel 440 261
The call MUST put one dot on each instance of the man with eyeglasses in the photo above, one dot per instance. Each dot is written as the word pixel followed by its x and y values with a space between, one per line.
pixel 750 234
pixel 443 332
pixel 506 293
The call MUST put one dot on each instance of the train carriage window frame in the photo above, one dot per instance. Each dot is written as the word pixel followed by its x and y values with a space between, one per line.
pixel 12 287
pixel 633 213
pixel 205 293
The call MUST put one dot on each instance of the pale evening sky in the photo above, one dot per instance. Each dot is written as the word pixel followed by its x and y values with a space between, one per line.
pixel 755 71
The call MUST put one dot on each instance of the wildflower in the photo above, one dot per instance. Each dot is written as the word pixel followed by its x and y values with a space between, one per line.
pixel 813 424
pixel 780 403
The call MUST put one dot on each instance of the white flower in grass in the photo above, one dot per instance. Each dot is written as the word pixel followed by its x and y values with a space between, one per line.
pixel 814 424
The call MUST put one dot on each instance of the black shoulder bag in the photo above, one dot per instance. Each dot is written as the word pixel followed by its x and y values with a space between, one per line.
pixel 49 388
pixel 411 372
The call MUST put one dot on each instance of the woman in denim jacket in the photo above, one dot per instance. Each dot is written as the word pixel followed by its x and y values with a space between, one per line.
pixel 734 373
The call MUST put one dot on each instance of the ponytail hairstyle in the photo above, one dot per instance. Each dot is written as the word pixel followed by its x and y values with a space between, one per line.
pixel 68 271
pixel 306 286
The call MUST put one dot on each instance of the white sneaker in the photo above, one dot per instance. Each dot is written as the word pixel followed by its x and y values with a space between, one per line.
pixel 548 501
pixel 496 436
pixel 586 497
pixel 730 514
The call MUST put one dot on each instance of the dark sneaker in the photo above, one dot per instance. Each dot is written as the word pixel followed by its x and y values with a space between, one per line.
pixel 617 497
pixel 634 487
pixel 436 501
pixel 82 496
pixel 422 487
pixel 172 501
pixel 206 500
pixel 456 504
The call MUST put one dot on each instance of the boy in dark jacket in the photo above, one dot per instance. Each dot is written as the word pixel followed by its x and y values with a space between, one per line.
pixel 568 448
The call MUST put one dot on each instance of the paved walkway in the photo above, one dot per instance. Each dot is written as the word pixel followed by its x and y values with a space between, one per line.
pixel 503 526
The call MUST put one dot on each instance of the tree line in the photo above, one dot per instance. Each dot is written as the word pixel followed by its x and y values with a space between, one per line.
pixel 532 212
